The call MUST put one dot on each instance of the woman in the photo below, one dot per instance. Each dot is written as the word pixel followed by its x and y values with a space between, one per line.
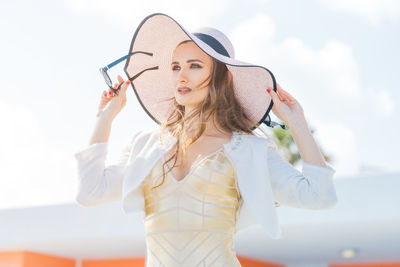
pixel 204 171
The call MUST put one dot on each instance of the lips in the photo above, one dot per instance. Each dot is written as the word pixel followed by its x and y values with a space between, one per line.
pixel 184 89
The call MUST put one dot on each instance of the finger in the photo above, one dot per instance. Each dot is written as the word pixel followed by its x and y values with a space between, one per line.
pixel 289 97
pixel 283 92
pixel 124 87
pixel 279 95
pixel 110 93
pixel 119 84
pixel 286 94
pixel 120 79
pixel 274 96
pixel 115 85
pixel 280 90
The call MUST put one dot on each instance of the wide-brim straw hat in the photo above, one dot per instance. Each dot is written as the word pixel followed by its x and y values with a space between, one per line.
pixel 150 72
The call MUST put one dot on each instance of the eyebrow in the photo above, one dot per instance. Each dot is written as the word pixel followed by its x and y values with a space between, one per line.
pixel 188 61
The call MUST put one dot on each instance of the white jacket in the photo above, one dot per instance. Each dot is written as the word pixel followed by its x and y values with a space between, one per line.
pixel 265 180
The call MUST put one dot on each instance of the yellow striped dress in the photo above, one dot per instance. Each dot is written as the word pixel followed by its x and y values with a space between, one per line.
pixel 191 222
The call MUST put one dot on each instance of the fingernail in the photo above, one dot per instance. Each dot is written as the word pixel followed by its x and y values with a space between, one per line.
pixel 105 94
pixel 269 90
pixel 128 82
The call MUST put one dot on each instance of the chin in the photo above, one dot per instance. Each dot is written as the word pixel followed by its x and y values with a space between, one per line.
pixel 186 100
pixel 186 103
pixel 183 100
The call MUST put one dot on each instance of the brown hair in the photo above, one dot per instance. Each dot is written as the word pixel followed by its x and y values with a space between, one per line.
pixel 220 105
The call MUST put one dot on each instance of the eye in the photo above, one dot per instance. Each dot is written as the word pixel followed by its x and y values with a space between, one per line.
pixel 197 66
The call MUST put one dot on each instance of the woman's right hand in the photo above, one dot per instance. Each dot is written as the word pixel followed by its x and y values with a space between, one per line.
pixel 111 103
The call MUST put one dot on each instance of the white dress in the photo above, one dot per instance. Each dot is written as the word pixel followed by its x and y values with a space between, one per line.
pixel 191 222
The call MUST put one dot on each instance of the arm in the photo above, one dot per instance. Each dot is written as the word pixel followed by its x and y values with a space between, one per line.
pixel 98 183
pixel 312 188
pixel 305 142
pixel 102 128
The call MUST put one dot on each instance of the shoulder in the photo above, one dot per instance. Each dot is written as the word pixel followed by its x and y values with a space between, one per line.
pixel 261 140
pixel 143 136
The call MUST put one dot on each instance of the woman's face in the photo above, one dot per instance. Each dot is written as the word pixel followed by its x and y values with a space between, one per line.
pixel 190 67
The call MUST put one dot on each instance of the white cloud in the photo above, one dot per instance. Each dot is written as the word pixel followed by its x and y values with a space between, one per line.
pixel 325 81
pixel 374 11
pixel 258 28
pixel 252 36
pixel 334 63
pixel 129 14
pixel 315 76
pixel 339 142
pixel 31 170
pixel 380 101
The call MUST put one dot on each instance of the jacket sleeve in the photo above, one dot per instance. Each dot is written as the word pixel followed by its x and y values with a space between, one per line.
pixel 97 183
pixel 312 188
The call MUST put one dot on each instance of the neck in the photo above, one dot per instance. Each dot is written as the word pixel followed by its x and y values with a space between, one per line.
pixel 210 129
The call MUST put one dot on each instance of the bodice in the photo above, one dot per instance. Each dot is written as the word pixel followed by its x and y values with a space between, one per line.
pixel 191 222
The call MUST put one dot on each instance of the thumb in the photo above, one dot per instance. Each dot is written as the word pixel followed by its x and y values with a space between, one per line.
pixel 125 87
pixel 273 95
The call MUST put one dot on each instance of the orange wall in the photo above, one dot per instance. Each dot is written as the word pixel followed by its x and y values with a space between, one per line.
pixel 12 259
pixel 245 262
pixel 367 265
pixel 136 262
pixel 248 262
pixel 33 259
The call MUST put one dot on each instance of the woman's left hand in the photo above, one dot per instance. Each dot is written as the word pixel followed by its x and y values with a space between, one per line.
pixel 285 106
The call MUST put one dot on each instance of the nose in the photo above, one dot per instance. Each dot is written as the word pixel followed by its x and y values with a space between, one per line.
pixel 182 76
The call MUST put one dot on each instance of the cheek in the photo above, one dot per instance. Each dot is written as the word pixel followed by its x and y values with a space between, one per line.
pixel 203 92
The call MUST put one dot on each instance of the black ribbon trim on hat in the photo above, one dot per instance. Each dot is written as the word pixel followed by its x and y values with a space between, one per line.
pixel 272 124
pixel 211 41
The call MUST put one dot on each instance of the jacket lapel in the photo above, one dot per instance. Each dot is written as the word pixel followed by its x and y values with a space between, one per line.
pixel 141 161
pixel 250 160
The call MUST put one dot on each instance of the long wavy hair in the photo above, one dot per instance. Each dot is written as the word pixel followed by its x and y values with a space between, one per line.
pixel 220 105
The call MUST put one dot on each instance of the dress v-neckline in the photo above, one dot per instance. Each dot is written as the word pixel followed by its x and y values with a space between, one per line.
pixel 193 167
pixel 198 161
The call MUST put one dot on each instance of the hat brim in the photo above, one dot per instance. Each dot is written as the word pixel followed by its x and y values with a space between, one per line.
pixel 159 34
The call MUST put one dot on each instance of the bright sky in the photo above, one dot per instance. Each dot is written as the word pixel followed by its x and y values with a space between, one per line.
pixel 337 58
